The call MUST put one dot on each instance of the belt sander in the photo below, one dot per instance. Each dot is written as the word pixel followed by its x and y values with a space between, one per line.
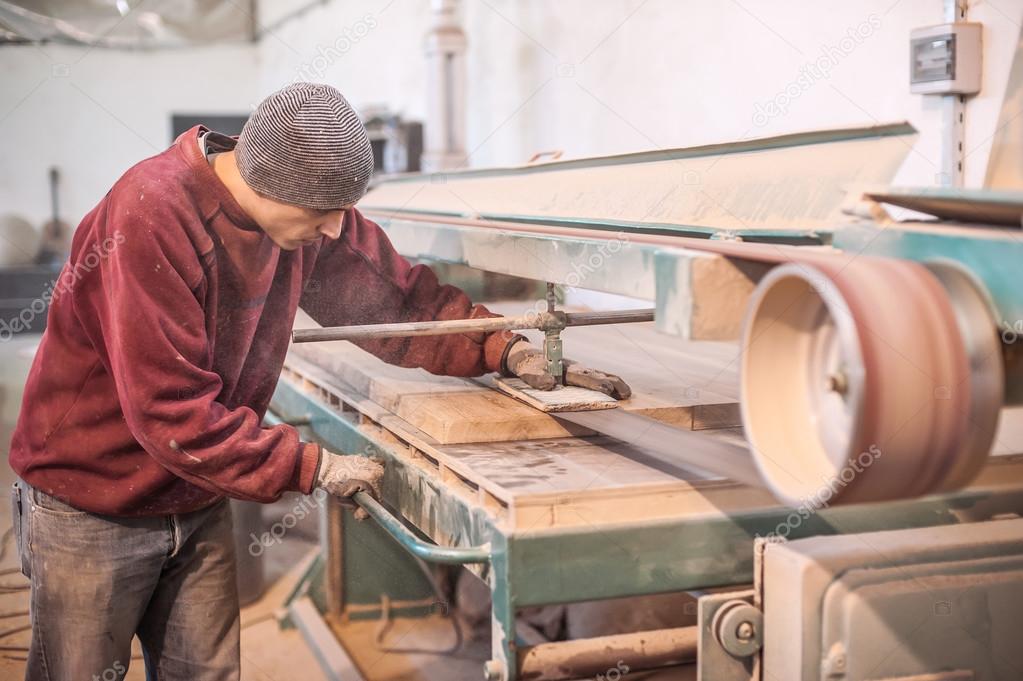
pixel 878 360
pixel 887 351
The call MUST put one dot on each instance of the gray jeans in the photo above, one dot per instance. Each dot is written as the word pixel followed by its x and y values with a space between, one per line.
pixel 99 580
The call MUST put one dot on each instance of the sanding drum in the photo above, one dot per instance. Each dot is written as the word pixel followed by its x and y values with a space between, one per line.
pixel 869 379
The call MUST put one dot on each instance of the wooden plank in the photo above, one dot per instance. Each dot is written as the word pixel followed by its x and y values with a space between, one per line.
pixel 457 410
pixel 563 482
pixel 561 398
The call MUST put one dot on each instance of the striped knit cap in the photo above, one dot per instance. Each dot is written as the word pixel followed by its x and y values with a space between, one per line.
pixel 306 146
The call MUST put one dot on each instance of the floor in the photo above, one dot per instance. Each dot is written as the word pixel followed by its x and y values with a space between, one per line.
pixel 268 652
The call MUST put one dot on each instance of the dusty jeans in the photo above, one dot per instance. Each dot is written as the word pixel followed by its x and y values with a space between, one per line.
pixel 99 580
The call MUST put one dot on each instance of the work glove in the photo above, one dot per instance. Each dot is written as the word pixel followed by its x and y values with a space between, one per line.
pixel 344 475
pixel 528 363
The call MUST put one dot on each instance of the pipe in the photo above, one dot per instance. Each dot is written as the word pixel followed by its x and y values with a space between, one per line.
pixel 450 555
pixel 592 656
pixel 445 89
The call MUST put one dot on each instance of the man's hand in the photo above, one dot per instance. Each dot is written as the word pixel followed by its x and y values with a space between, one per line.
pixel 344 475
pixel 529 364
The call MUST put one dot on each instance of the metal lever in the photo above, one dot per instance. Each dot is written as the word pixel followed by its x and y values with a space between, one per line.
pixel 552 322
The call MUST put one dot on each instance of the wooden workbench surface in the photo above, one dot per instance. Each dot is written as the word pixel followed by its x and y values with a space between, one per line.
pixel 692 386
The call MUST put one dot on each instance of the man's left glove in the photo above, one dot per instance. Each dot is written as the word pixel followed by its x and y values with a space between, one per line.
pixel 344 475
pixel 528 363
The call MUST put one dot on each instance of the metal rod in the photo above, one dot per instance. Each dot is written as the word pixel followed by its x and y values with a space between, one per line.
pixel 586 657
pixel 332 658
pixel 450 555
pixel 541 321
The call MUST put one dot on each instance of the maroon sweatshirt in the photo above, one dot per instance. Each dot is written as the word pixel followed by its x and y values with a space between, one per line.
pixel 167 331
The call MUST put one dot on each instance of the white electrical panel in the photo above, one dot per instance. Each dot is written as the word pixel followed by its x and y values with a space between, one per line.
pixel 945 59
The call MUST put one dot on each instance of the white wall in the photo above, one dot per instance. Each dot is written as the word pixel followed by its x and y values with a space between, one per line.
pixel 586 77
pixel 95 113
pixel 624 75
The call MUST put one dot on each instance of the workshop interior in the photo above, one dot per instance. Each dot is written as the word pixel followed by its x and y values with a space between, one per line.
pixel 792 228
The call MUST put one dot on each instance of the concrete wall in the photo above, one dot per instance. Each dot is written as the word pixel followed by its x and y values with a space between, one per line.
pixel 95 113
pixel 623 75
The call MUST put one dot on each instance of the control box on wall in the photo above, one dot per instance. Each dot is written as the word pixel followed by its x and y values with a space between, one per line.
pixel 945 59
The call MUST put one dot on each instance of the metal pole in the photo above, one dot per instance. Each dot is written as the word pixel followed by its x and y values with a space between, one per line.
pixel 542 321
pixel 599 656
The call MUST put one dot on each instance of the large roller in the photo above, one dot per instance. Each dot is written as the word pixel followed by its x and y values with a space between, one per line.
pixel 868 379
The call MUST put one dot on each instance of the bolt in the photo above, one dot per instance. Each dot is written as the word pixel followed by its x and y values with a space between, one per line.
pixel 838 382
pixel 493 670
pixel 744 631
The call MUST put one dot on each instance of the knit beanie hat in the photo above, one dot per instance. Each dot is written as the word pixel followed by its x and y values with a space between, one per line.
pixel 306 146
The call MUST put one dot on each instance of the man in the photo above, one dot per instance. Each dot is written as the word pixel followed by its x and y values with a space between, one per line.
pixel 166 335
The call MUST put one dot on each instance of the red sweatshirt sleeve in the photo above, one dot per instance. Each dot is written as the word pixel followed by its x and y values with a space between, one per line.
pixel 360 279
pixel 141 310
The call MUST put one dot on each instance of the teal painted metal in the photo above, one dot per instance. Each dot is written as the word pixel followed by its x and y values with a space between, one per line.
pixel 779 142
pixel 984 206
pixel 650 271
pixel 994 257
pixel 431 553
pixel 503 646
pixel 795 237
pixel 595 264
pixel 587 562
pixel 615 561
pixel 618 265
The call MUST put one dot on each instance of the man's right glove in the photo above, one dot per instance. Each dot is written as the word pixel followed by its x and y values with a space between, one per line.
pixel 344 475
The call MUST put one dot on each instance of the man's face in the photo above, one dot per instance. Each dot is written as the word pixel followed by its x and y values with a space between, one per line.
pixel 292 227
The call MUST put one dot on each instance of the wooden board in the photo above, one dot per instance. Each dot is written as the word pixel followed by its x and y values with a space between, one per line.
pixel 561 398
pixel 561 482
pixel 458 410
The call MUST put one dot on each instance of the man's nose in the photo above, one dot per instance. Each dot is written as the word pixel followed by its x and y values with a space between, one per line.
pixel 331 226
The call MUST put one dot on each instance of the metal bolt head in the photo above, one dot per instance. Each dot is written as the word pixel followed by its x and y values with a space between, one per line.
pixel 736 626
pixel 838 382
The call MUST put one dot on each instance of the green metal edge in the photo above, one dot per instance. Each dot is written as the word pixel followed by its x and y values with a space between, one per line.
pixel 608 562
pixel 1000 196
pixel 794 237
pixel 761 144
pixel 996 262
